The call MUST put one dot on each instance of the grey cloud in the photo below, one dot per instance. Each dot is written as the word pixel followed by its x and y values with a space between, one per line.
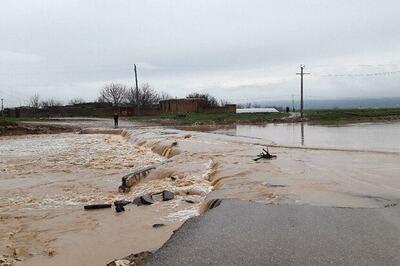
pixel 65 48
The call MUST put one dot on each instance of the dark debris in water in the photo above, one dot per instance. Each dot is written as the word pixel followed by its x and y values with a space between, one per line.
pixel 158 225
pixel 97 206
pixel 265 155
pixel 133 259
pixel 119 208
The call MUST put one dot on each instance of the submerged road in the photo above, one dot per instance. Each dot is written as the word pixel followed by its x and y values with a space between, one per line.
pixel 244 233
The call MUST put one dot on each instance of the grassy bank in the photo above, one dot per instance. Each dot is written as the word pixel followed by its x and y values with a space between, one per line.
pixel 211 118
pixel 5 122
pixel 352 115
pixel 10 127
pixel 323 116
pixel 20 119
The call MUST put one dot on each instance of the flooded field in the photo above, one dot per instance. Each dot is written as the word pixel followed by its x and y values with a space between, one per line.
pixel 365 136
pixel 45 180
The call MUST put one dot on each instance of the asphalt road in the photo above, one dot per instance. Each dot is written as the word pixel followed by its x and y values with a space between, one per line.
pixel 244 233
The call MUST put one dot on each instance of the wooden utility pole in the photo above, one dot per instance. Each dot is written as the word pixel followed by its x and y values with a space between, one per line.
pixel 2 107
pixel 301 87
pixel 137 90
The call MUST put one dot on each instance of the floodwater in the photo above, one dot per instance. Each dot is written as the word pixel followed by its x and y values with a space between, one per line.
pixel 45 181
pixel 363 136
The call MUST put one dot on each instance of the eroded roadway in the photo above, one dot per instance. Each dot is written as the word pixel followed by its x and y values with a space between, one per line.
pixel 244 233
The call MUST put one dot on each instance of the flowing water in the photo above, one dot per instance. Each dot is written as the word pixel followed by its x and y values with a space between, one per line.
pixel 363 136
pixel 45 181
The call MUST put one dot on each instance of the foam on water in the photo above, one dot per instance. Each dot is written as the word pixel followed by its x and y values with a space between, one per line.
pixel 64 152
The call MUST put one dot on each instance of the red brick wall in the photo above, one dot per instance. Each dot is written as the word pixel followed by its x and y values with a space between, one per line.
pixel 229 108
pixel 107 110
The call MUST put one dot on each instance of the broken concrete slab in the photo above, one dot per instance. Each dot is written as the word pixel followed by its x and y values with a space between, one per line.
pixel 147 200
pixel 133 178
pixel 133 259
pixel 167 195
pixel 143 200
pixel 119 208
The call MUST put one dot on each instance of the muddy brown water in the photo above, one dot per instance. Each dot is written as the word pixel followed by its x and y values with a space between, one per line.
pixel 45 180
pixel 368 136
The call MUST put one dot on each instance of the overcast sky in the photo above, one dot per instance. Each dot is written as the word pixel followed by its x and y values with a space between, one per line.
pixel 237 50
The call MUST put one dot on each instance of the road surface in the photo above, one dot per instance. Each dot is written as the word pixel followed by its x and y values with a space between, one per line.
pixel 244 233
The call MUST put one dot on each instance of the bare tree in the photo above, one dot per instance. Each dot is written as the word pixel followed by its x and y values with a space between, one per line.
pixel 223 102
pixel 131 96
pixel 34 101
pixel 165 96
pixel 50 103
pixel 147 96
pixel 209 100
pixel 76 101
pixel 244 105
pixel 114 93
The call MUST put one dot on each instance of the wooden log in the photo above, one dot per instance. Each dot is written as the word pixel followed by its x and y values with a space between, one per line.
pixel 96 206
pixel 122 202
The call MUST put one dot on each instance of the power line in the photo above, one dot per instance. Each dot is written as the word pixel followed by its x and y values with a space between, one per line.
pixel 361 74
pixel 266 97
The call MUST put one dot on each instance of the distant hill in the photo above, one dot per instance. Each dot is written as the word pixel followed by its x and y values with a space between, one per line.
pixel 337 103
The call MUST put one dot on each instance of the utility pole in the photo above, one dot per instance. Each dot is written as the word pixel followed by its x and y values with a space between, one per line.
pixel 2 107
pixel 137 90
pixel 301 87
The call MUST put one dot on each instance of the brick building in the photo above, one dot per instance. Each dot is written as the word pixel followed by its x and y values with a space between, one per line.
pixel 182 105
pixel 193 105
pixel 107 109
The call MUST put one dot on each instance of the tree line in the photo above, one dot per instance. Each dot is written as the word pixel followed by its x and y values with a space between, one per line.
pixel 35 101
pixel 119 94
pixel 258 105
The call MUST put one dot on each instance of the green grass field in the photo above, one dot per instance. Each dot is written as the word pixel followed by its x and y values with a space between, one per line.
pixel 323 116
pixel 351 115
pixel 12 121
pixel 218 118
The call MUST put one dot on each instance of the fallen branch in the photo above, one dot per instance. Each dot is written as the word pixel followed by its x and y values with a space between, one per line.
pixel 265 155
pixel 97 206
